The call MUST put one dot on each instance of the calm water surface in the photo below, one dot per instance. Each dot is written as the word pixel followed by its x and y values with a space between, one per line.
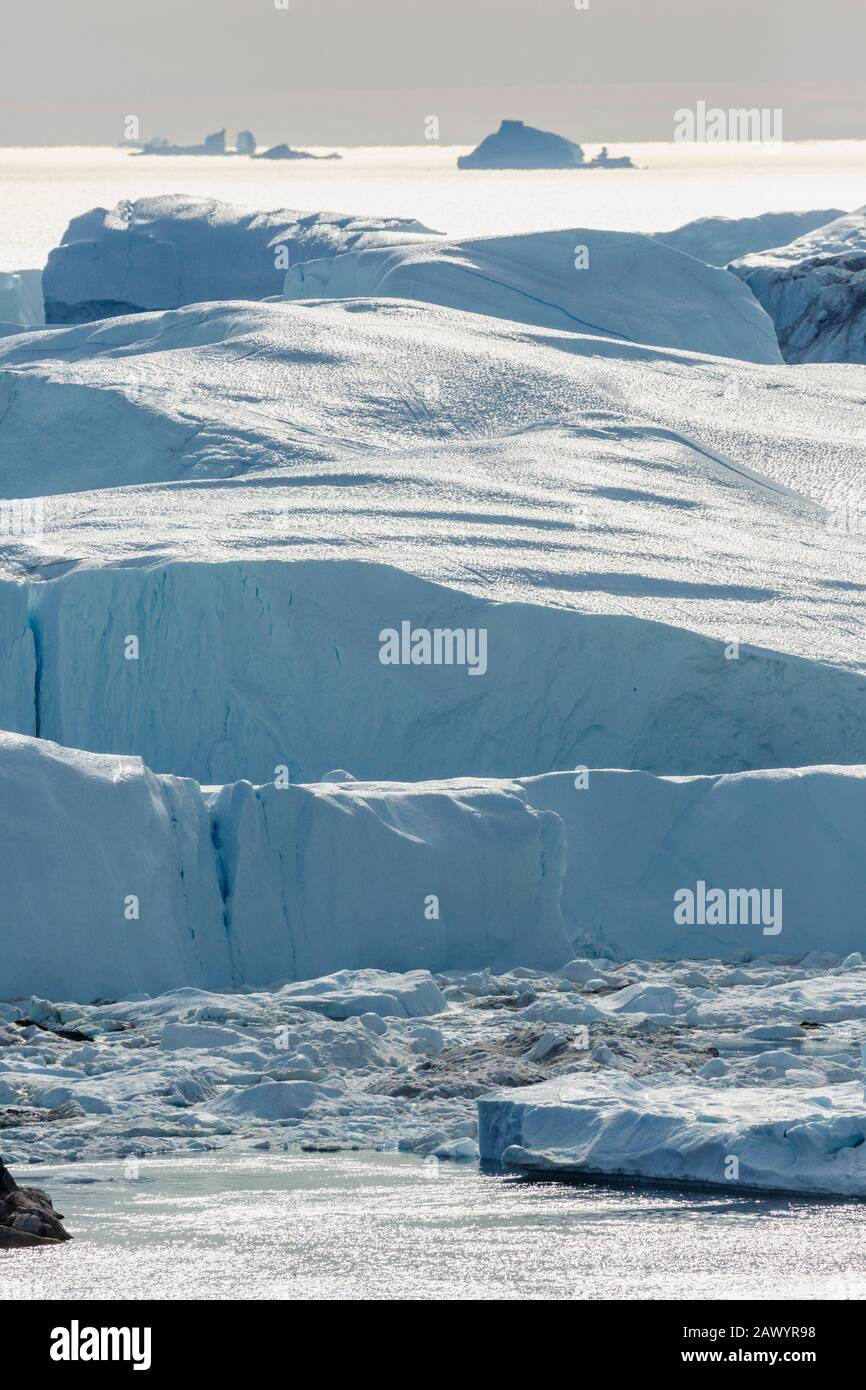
pixel 41 189
pixel 377 1226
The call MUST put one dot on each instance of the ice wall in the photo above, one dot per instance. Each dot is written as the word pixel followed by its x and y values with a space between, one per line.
pixel 116 880
pixel 138 661
pixel 634 841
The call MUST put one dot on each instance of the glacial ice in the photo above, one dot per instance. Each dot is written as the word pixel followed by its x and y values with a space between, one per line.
pixel 613 284
pixel 301 686
pixel 813 289
pixel 21 298
pixel 162 252
pixel 338 902
pixel 518 146
pixel 298 449
pixel 720 240
pixel 174 885
pixel 171 886
pixel 682 1131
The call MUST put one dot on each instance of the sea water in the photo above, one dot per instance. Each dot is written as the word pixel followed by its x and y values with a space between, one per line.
pixel 261 1225
pixel 41 189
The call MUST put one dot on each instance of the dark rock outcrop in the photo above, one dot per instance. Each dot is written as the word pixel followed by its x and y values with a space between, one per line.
pixel 27 1215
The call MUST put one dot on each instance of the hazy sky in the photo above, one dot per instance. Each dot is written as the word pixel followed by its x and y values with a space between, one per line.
pixel 370 71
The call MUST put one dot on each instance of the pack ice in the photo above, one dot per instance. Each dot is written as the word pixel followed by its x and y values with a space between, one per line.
pixel 263 884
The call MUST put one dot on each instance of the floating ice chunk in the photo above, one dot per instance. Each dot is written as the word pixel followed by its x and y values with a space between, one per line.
pixel 272 1100
pixel 714 1068
pixel 199 1035
pixel 604 1123
pixel 459 1150
pixel 550 1041
pixel 353 993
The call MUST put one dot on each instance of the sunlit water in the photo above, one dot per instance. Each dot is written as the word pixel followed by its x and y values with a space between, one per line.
pixel 41 189
pixel 354 1226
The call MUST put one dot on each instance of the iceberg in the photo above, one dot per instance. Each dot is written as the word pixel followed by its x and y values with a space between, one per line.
pixel 162 252
pixel 175 885
pixel 720 240
pixel 286 152
pixel 639 845
pixel 519 146
pixel 272 454
pixel 171 885
pixel 813 289
pixel 612 284
pixel 666 1129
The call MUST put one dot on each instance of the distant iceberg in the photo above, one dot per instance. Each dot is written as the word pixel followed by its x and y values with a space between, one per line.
pixel 286 152
pixel 720 240
pixel 214 144
pixel 519 146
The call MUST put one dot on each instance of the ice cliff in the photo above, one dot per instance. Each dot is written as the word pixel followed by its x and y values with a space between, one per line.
pixel 814 289
pixel 118 880
pixel 137 660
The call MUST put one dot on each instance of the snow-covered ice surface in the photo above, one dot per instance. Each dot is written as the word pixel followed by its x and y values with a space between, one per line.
pixel 159 253
pixel 814 289
pixel 269 890
pixel 611 284
pixel 302 476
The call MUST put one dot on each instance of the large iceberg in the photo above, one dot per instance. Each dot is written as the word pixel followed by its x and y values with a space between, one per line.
pixel 136 660
pixel 118 881
pixel 613 284
pixel 171 884
pixel 162 252
pixel 814 289
pixel 272 454
pixel 670 1130
pixel 518 146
